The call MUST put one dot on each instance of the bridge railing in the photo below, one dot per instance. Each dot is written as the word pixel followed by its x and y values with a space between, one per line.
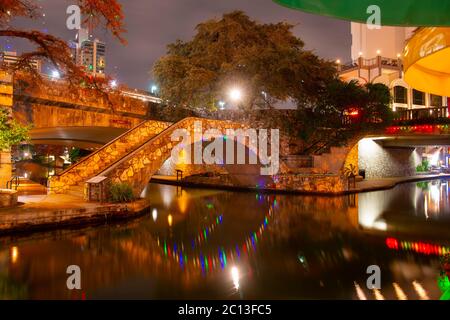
pixel 422 113
pixel 59 91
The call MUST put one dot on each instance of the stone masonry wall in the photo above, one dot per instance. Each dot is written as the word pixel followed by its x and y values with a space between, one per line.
pixel 5 168
pixel 380 162
pixel 308 183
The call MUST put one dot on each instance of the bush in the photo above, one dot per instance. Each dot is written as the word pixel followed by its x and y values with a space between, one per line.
pixel 423 167
pixel 120 193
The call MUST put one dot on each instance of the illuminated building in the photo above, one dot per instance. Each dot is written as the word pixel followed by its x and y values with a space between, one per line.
pixel 377 58
pixel 9 59
pixel 91 54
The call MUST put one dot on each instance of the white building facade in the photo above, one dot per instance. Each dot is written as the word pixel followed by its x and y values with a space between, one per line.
pixel 377 58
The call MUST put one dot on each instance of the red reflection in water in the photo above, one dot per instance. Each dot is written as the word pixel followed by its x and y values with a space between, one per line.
pixel 419 247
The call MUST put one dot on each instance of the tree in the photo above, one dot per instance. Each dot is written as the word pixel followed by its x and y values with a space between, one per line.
pixel 11 132
pixel 266 61
pixel 50 48
pixel 343 110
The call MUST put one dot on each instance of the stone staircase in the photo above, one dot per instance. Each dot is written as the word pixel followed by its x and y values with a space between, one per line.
pixel 137 167
pixel 28 187
pixel 98 161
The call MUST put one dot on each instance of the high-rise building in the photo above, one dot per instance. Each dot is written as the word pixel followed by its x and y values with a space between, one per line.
pixel 91 54
pixel 377 58
pixel 9 59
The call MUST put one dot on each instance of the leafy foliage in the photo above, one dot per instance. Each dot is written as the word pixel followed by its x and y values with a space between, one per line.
pixel 350 171
pixel 120 193
pixel 11 132
pixel 236 51
pixel 423 167
pixel 327 119
pixel 74 155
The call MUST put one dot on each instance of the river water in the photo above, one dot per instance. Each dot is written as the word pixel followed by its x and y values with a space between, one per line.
pixel 209 244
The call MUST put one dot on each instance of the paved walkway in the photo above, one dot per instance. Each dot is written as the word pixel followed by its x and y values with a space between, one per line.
pixel 387 183
pixel 40 211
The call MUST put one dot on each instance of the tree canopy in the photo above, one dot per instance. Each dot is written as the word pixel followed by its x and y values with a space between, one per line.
pixel 50 48
pixel 265 61
pixel 343 110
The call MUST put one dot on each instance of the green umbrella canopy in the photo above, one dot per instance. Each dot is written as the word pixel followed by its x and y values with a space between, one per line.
pixel 393 13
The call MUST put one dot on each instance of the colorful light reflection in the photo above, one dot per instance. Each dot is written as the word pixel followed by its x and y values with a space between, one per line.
pixel 418 247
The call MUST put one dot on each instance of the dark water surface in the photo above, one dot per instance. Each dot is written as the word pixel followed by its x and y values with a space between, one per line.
pixel 228 245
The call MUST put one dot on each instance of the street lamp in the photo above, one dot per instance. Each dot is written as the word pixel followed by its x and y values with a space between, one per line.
pixel 55 74
pixel 222 105
pixel 154 89
pixel 113 84
pixel 235 94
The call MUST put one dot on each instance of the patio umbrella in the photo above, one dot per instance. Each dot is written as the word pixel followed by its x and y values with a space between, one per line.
pixel 393 13
pixel 427 61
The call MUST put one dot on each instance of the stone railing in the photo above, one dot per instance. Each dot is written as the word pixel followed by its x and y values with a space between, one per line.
pixel 138 167
pixel 105 156
pixel 59 91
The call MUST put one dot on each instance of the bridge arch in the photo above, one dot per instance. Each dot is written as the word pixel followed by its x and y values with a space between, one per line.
pixel 138 167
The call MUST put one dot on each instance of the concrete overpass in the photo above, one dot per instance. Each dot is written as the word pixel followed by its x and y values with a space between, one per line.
pixel 80 137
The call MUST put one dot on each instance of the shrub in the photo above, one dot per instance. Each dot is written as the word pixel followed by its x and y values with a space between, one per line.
pixel 425 165
pixel 120 193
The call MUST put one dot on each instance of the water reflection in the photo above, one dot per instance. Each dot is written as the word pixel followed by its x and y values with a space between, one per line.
pixel 425 205
pixel 213 244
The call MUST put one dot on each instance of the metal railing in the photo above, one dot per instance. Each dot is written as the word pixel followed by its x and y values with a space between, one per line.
pixel 421 113
pixel 15 181
pixel 377 62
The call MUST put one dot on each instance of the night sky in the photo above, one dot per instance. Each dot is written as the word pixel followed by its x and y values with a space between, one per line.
pixel 152 24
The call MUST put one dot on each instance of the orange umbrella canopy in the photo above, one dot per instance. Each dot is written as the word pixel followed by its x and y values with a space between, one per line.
pixel 427 61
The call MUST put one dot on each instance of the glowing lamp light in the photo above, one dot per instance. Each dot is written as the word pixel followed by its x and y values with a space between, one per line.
pixel 154 214
pixel 235 94
pixel 153 89
pixel 222 105
pixel 378 52
pixel 14 254
pixel 235 277
pixel 113 84
pixel 170 220
pixel 55 74
pixel 338 61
